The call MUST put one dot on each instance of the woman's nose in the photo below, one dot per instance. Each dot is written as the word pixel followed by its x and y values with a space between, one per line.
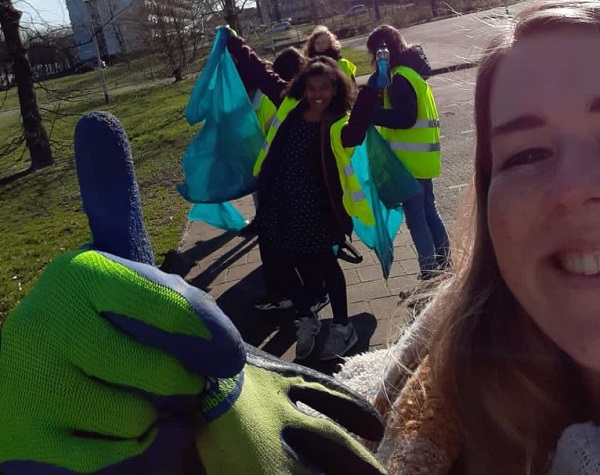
pixel 577 177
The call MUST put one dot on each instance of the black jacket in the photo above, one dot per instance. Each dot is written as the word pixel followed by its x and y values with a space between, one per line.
pixel 403 97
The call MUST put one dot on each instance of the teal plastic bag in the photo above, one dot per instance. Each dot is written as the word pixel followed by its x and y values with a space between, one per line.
pixel 218 162
pixel 220 215
pixel 393 181
pixel 379 237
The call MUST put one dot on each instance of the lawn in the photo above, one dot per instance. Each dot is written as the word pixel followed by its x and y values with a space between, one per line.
pixel 76 86
pixel 41 214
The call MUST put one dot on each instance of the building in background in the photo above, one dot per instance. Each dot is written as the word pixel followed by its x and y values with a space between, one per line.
pixel 126 27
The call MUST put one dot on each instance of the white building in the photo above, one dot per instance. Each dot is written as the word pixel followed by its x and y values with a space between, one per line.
pixel 119 25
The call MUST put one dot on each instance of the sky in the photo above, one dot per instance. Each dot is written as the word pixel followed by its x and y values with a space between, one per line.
pixel 53 12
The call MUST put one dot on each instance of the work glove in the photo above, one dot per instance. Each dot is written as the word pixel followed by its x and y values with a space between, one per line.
pixel 85 382
pixel 109 189
pixel 254 424
pixel 101 365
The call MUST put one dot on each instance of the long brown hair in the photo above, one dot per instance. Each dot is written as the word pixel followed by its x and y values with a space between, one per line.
pixel 395 42
pixel 335 47
pixel 513 389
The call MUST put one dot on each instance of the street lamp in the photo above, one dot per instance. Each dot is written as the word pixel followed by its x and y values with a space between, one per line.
pixel 97 49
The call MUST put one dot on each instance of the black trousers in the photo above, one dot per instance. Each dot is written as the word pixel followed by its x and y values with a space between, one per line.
pixel 301 277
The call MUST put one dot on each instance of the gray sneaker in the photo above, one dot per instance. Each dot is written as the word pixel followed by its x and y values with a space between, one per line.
pixel 339 340
pixel 308 327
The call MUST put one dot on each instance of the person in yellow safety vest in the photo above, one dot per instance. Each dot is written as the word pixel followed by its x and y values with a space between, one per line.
pixel 323 42
pixel 307 187
pixel 287 65
pixel 408 120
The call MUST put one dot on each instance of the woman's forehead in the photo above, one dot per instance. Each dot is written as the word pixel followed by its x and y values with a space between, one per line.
pixel 545 72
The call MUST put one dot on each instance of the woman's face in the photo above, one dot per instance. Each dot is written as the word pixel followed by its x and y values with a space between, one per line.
pixel 319 92
pixel 322 43
pixel 544 195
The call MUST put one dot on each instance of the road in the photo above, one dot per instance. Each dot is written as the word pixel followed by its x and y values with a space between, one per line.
pixel 453 40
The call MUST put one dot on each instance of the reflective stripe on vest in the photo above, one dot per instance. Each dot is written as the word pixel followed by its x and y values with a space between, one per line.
pixel 354 199
pixel 415 147
pixel 418 147
pixel 284 109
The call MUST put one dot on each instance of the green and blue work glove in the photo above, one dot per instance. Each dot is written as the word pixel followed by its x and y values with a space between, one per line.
pixel 254 424
pixel 102 363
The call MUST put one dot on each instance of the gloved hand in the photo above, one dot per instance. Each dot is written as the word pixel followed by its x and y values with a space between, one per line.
pixel 261 430
pixel 379 81
pixel 109 189
pixel 230 31
pixel 80 390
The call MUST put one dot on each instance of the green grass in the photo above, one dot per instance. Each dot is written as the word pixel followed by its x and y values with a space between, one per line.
pixel 41 214
pixel 75 86
pixel 361 58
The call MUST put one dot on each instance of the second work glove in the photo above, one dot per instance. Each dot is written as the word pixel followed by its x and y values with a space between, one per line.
pixel 254 424
pixel 101 366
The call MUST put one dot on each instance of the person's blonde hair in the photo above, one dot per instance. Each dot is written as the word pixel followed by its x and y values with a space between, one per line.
pixel 309 46
pixel 513 389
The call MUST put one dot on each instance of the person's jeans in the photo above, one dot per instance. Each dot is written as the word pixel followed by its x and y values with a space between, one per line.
pixel 427 229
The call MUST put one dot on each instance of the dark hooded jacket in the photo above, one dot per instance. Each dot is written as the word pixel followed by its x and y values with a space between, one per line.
pixel 403 97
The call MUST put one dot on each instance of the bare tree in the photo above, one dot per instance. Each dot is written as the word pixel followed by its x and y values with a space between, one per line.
pixel 36 137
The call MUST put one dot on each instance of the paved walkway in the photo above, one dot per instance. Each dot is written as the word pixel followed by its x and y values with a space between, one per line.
pixel 228 266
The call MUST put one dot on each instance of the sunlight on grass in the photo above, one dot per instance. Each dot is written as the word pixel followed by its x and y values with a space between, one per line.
pixel 41 214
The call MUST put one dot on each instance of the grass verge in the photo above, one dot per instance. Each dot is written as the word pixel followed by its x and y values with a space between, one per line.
pixel 41 214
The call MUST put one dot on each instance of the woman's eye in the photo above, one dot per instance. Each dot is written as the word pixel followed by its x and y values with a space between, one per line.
pixel 526 157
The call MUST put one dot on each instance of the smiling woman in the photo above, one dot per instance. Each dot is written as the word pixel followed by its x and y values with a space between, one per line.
pixel 307 187
pixel 514 364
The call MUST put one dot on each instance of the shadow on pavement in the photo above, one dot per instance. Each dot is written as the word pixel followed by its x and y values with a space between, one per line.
pixel 206 277
pixel 181 263
pixel 275 332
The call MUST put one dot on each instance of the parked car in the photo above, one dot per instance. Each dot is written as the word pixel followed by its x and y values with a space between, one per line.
pixel 281 26
pixel 356 10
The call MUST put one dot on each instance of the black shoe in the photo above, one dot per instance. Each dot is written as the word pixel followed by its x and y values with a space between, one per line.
pixel 268 304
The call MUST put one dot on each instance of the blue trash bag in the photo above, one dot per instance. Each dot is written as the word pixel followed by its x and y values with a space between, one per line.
pixel 393 181
pixel 379 237
pixel 220 215
pixel 218 162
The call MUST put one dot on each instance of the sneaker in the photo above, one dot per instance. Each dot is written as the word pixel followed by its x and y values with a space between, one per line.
pixel 319 304
pixel 268 304
pixel 339 340
pixel 308 327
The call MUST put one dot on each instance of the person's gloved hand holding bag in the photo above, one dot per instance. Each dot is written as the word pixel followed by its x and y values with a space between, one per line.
pixel 264 432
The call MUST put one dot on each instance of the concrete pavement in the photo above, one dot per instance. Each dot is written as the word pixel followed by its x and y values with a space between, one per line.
pixel 228 266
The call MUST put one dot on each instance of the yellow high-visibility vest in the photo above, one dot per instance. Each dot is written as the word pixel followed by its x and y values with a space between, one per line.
pixel 418 148
pixel 265 110
pixel 354 199
pixel 348 67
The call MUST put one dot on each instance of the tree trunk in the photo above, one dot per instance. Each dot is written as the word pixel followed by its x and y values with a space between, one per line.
pixel 231 16
pixel 376 10
pixel 36 137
